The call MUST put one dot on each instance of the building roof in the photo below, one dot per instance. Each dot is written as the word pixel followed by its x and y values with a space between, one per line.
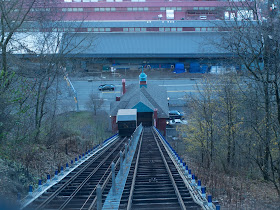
pixel 152 97
pixel 130 23
pixel 34 43
pixel 127 115
pixel 125 45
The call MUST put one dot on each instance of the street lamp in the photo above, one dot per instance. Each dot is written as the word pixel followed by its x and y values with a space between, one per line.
pixel 168 100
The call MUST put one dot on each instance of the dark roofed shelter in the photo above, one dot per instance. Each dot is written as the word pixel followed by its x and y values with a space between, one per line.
pixel 150 101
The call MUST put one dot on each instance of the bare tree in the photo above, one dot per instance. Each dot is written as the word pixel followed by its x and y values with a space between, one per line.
pixel 94 103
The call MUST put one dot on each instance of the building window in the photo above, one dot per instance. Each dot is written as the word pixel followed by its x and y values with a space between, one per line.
pixel 80 9
pixel 110 0
pixel 107 29
pixel 197 29
pixel 95 29
pixel 140 9
pixel 89 29
pixel 143 29
pixel 69 29
pixel 179 29
pixel 203 29
pixel 173 29
pixel 86 0
pixel 118 0
pixel 64 9
pixel 167 29
pixel 137 29
pixel 179 8
pixel 125 29
pixel 69 10
pixel 195 8
pixel 162 8
pixel 77 0
pixel 146 8
pixel 96 9
pixel 129 8
pixel 113 9
pixel 161 29
pixel 107 9
pixel 134 9
pixel 131 29
pixel 67 0
pixel 75 9
pixel 102 9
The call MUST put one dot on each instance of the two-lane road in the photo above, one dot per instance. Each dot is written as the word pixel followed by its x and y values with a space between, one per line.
pixel 176 90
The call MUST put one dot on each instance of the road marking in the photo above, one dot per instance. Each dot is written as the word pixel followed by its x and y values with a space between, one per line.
pixel 169 91
pixel 112 92
pixel 181 85
pixel 181 91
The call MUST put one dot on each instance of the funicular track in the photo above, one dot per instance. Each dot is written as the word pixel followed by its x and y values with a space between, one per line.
pixel 153 181
pixel 78 189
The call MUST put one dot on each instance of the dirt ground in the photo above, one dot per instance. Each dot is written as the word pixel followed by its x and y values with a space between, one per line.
pixel 237 192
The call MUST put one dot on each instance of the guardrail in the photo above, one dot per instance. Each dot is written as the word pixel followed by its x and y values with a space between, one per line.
pixel 118 181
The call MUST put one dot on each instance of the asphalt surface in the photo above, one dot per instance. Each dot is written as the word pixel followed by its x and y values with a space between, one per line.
pixel 153 74
pixel 179 87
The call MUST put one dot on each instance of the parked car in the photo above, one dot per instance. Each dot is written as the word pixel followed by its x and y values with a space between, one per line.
pixel 174 114
pixel 106 87
pixel 177 122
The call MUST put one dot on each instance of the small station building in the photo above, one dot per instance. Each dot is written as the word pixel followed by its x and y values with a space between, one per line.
pixel 149 100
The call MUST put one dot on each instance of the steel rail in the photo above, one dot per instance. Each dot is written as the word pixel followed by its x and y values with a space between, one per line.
pixel 103 185
pixel 92 206
pixel 94 202
pixel 179 197
pixel 195 196
pixel 134 176
pixel 55 193
pixel 88 177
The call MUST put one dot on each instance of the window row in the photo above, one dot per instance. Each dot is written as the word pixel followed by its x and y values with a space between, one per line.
pixel 171 8
pixel 204 8
pixel 70 9
pixel 137 9
pixel 40 9
pixel 118 29
pixel 206 29
pixel 170 29
pixel 197 10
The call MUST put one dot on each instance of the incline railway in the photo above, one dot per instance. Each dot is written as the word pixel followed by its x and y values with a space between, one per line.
pixel 140 172
pixel 155 183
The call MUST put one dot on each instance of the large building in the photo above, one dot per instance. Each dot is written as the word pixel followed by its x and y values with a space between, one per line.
pixel 98 10
pixel 149 33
